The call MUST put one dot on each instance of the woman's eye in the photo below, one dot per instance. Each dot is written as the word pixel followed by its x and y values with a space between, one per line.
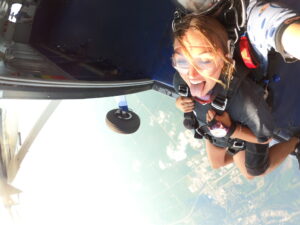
pixel 182 63
pixel 204 61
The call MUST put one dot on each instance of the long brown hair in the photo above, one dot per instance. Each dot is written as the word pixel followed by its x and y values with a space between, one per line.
pixel 212 32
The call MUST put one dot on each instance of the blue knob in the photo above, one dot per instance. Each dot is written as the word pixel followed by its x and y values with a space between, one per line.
pixel 276 78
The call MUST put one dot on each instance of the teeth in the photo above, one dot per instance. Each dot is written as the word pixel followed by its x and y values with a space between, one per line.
pixel 195 82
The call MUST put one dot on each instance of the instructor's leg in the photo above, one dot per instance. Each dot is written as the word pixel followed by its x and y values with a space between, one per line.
pixel 253 162
pixel 279 152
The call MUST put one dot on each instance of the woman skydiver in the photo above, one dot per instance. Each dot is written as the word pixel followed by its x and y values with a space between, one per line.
pixel 203 60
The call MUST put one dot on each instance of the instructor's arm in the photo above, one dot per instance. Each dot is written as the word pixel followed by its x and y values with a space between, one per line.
pixel 290 40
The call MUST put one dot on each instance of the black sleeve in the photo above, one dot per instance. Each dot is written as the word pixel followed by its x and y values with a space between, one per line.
pixel 250 109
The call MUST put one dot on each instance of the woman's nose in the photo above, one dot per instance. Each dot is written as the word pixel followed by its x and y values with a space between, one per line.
pixel 193 73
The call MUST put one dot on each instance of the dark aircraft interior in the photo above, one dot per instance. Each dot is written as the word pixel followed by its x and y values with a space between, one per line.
pixel 125 40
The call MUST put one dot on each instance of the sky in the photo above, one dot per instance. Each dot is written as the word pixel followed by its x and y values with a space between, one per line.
pixel 69 175
pixel 79 172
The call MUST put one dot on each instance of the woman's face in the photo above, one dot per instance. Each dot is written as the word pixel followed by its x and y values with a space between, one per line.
pixel 197 64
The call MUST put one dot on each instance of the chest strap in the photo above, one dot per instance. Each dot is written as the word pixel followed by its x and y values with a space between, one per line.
pixel 219 103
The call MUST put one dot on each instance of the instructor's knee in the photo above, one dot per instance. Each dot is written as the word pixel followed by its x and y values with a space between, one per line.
pixel 248 176
pixel 255 172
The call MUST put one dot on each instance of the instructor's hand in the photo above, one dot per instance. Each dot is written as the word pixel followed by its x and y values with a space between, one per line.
pixel 224 118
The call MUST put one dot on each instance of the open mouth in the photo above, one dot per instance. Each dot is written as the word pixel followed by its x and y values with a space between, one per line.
pixel 205 98
pixel 196 81
pixel 197 88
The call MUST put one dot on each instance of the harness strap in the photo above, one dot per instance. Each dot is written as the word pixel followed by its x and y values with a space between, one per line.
pixel 273 61
pixel 220 103
pixel 190 121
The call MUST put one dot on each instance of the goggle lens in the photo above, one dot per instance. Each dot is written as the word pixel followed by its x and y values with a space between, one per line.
pixel 182 65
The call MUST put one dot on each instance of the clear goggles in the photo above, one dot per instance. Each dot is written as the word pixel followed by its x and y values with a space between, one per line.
pixel 182 65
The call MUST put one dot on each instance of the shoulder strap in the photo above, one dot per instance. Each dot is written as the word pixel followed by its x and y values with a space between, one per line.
pixel 222 95
pixel 219 103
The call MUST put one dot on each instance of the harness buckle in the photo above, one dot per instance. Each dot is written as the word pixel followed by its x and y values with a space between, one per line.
pixel 198 133
pixel 183 90
pixel 220 103
pixel 238 144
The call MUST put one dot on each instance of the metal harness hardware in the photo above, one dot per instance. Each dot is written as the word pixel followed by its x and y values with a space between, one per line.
pixel 219 103
pixel 183 90
pixel 200 134
pixel 236 146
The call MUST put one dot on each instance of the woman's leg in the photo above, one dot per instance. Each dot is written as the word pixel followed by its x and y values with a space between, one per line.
pixel 217 157
pixel 239 161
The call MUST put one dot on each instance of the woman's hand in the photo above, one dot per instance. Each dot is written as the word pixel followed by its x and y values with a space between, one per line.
pixel 185 104
pixel 224 118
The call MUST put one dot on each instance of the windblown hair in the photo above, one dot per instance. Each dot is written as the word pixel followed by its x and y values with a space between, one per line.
pixel 212 32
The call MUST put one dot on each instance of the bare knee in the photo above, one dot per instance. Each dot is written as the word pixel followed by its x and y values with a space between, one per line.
pixel 257 172
pixel 217 165
pixel 248 176
pixel 251 176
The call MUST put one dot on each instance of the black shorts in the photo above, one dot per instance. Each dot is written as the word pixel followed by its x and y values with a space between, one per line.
pixel 257 158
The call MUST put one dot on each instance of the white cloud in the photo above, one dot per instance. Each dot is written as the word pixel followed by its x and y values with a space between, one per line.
pixel 163 165
pixel 251 220
pixel 275 216
pixel 160 117
pixel 177 154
